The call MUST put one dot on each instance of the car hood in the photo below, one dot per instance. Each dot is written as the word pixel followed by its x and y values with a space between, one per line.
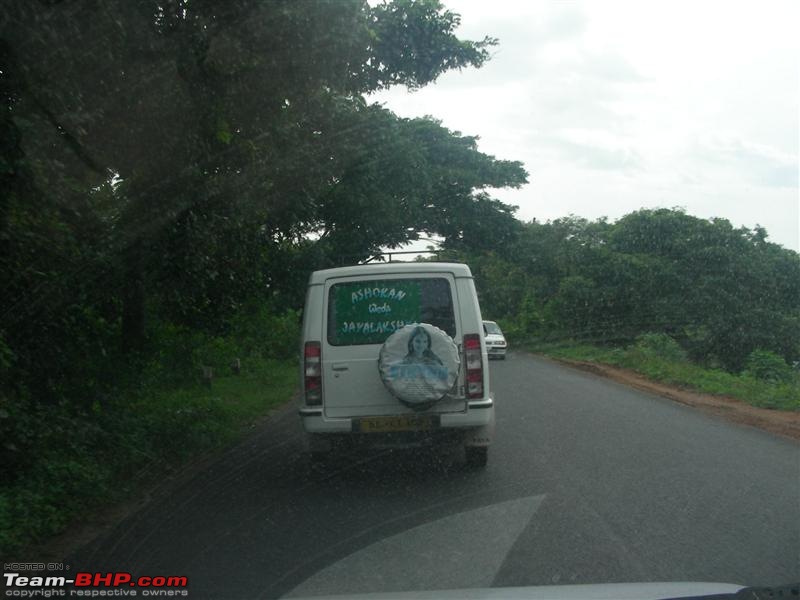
pixel 606 591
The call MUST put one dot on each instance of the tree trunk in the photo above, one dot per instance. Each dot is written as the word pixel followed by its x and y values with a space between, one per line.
pixel 133 301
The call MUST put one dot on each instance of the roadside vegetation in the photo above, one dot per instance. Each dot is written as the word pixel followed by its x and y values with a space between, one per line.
pixel 153 419
pixel 766 382
pixel 688 301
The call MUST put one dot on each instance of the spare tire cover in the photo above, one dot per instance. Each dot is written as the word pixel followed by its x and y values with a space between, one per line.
pixel 419 364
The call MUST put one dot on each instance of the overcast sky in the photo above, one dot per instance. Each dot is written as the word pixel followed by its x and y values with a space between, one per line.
pixel 614 106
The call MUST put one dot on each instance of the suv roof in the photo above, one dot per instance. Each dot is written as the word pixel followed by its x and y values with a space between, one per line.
pixel 457 269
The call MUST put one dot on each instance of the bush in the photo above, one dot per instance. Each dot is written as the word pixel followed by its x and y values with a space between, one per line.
pixel 21 432
pixel 768 366
pixel 512 331
pixel 660 345
pixel 172 359
pixel 179 353
pixel 217 352
pixel 265 333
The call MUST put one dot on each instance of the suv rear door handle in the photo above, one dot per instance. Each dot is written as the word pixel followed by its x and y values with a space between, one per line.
pixel 339 366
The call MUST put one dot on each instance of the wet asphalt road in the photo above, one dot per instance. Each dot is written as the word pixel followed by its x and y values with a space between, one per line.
pixel 588 482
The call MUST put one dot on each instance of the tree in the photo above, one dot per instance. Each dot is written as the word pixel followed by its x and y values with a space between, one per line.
pixel 177 156
pixel 720 291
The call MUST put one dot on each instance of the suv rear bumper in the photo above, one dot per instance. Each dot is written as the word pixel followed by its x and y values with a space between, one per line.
pixel 478 414
pixel 472 428
pixel 477 422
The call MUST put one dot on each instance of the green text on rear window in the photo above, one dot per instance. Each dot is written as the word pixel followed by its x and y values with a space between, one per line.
pixel 367 312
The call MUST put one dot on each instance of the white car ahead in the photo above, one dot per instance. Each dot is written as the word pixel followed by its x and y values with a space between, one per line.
pixel 496 344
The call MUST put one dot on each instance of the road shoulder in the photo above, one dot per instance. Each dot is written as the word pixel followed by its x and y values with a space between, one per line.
pixel 784 423
pixel 100 522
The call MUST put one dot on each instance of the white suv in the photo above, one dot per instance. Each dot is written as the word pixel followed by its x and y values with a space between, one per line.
pixel 394 354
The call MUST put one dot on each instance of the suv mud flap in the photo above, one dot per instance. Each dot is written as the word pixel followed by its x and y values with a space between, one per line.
pixel 479 436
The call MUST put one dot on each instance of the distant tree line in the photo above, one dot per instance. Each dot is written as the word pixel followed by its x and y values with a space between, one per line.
pixel 721 292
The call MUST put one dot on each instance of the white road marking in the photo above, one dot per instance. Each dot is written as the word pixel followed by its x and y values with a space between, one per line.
pixel 464 550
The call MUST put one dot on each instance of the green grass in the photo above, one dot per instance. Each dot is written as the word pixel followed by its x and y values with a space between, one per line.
pixel 89 461
pixel 682 373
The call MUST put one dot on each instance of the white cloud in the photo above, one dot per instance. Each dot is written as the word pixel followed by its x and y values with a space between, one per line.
pixel 596 149
pixel 617 105
pixel 757 163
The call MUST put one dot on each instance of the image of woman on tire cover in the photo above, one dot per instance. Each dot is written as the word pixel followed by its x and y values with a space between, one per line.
pixel 421 378
pixel 419 349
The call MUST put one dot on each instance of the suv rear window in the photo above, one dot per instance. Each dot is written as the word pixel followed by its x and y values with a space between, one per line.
pixel 491 328
pixel 367 312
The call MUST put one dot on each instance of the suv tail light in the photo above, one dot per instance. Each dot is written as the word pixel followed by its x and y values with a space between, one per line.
pixel 312 371
pixel 474 365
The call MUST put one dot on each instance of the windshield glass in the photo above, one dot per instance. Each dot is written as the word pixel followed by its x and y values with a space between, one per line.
pixel 247 248
pixel 491 328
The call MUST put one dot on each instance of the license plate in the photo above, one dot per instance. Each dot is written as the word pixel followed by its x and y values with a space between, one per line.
pixel 397 423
